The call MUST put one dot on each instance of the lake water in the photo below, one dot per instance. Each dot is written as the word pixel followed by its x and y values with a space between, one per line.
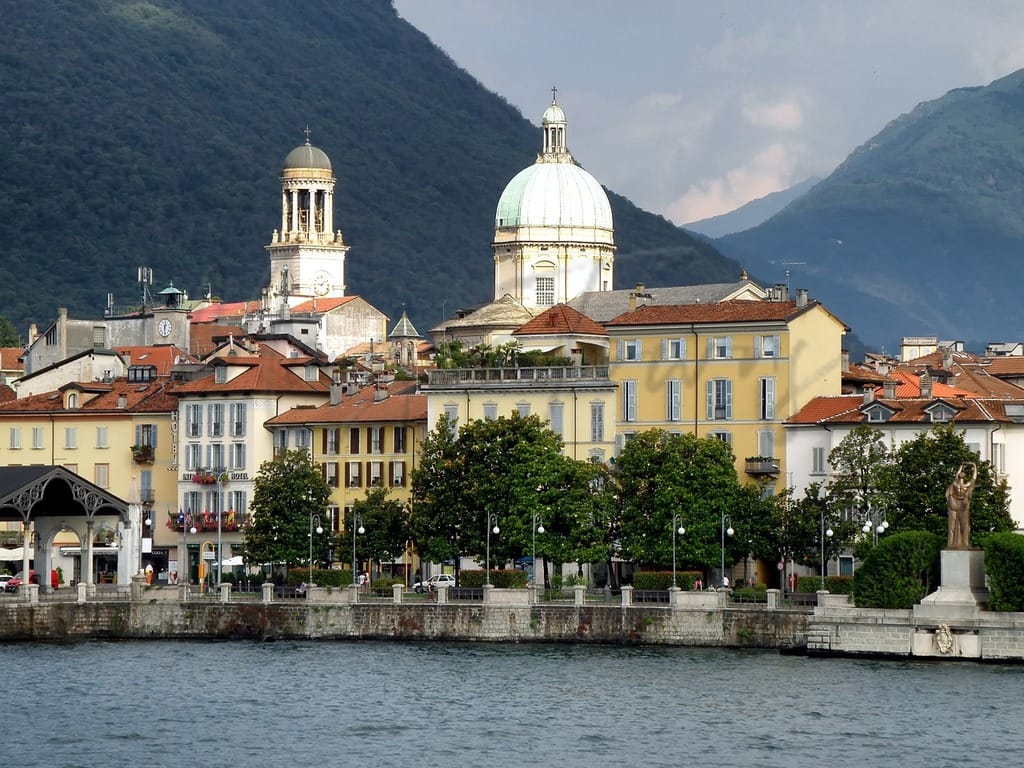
pixel 155 704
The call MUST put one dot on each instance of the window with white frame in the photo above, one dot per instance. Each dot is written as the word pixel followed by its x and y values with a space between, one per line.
pixel 101 437
pixel 303 438
pixel 215 455
pixel 237 455
pixel 719 347
pixel 631 349
pixel 194 420
pixel 818 460
pixel 238 419
pixel 597 422
pixel 545 291
pixel 193 456
pixel 330 470
pixel 673 400
pixel 719 399
pixel 102 475
pixel 353 473
pixel 399 440
pixel 37 437
pixel 999 458
pixel 490 411
pixel 237 501
pixel 375 436
pixel 332 438
pixel 974 448
pixel 73 400
pixel 398 474
pixel 767 388
pixel 523 408
pixel 220 375
pixel 766 443
pixel 216 419
pixel 767 346
pixel 673 349
pixel 452 412
pixel 556 413
pixel 193 503
pixel 725 437
pixel 376 474
pixel 145 434
pixel 629 400
pixel 15 433
pixel 70 437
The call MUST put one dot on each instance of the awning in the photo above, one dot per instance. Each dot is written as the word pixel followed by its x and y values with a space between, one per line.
pixel 95 550
pixel 11 554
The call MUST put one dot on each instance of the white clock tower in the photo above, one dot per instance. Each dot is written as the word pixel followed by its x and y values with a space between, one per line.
pixel 307 255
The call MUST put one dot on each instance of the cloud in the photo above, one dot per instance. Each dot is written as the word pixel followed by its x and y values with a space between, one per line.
pixel 768 171
pixel 782 115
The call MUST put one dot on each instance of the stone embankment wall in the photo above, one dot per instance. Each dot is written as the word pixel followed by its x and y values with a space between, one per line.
pixel 209 619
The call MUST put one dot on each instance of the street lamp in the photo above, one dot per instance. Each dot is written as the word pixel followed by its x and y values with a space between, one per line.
pixel 726 520
pixel 538 527
pixel 824 534
pixel 357 527
pixel 319 530
pixel 492 519
pixel 677 527
pixel 874 526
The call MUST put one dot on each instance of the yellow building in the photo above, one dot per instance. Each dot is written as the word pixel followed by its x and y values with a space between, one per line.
pixel 735 370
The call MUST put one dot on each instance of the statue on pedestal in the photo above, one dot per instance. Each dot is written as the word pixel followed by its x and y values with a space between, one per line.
pixel 958 504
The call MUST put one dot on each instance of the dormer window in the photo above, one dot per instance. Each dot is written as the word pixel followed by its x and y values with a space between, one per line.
pixel 312 373
pixel 941 413
pixel 877 414
pixel 220 374
pixel 72 400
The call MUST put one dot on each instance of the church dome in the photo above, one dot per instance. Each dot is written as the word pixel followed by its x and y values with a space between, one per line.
pixel 307 156
pixel 553 195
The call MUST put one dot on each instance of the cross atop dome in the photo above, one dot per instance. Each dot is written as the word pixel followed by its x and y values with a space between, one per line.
pixel 308 134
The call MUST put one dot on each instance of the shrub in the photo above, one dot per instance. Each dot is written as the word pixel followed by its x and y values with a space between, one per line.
pixel 322 577
pixel 650 580
pixel 505 579
pixel 755 594
pixel 899 571
pixel 1004 565
pixel 837 585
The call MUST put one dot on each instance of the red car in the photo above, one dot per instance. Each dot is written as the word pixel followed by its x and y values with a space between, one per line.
pixel 19 578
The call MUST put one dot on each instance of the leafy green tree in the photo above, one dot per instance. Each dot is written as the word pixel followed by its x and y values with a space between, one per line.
pixel 438 521
pixel 792 529
pixel 386 527
pixel 913 486
pixel 1004 567
pixel 857 464
pixel 661 476
pixel 287 493
pixel 8 334
pixel 898 572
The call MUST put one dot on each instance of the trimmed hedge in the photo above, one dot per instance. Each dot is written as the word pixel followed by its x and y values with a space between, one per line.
pixel 1004 566
pixel 650 580
pixel 837 585
pixel 502 578
pixel 755 594
pixel 899 571
pixel 322 577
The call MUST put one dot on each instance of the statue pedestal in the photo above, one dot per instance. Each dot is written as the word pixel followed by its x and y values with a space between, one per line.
pixel 962 592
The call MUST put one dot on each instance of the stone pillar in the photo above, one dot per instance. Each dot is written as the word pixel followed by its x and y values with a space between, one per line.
pixel 82 590
pixel 268 592
pixel 353 593
pixel 295 211
pixel 627 596
pixel 488 593
pixel 396 593
pixel 225 592
pixel 284 211
pixel 442 595
pixel 87 575
pixel 773 599
pixel 534 594
pixel 183 589
pixel 673 596
pixel 138 586
pixel 822 597
pixel 579 594
pixel 31 593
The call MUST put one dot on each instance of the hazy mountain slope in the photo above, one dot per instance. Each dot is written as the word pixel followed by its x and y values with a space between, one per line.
pixel 153 133
pixel 750 214
pixel 920 230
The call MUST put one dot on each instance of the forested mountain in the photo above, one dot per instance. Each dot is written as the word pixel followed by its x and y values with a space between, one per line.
pixel 153 133
pixel 920 231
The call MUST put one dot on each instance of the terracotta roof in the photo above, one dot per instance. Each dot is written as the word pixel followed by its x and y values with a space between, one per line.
pixel 224 311
pixel 205 337
pixel 269 372
pixel 10 358
pixel 321 305
pixel 401 404
pixel 721 312
pixel 909 386
pixel 139 397
pixel 1005 366
pixel 560 320
pixel 602 306
pixel 847 409
pixel 163 356
pixel 863 374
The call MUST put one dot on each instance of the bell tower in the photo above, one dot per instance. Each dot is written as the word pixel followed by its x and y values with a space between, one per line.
pixel 307 255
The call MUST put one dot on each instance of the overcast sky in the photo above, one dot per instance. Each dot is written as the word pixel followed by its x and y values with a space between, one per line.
pixel 692 109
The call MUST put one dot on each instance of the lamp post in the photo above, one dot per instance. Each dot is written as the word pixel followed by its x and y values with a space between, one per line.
pixel 726 520
pixel 357 527
pixel 824 534
pixel 538 527
pixel 319 530
pixel 677 527
pixel 188 565
pixel 221 481
pixel 874 526
pixel 492 519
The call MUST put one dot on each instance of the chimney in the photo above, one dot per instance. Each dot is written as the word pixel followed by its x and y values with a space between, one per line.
pixel 890 389
pixel 845 360
pixel 337 388
pixel 801 297
pixel 637 293
pixel 926 386
pixel 869 394
pixel 947 358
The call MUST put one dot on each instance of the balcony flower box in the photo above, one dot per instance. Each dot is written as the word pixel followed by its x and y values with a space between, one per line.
pixel 142 454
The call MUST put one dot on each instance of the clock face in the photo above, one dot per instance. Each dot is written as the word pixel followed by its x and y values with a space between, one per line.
pixel 164 327
pixel 321 283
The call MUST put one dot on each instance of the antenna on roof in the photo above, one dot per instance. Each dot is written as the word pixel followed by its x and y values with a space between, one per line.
pixel 789 264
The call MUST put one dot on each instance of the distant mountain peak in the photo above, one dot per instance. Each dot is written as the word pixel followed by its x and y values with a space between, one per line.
pixel 750 214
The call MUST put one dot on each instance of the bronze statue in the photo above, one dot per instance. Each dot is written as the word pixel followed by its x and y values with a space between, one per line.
pixel 958 503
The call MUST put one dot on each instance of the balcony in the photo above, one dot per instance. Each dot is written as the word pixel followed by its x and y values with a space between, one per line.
pixel 142 454
pixel 147 496
pixel 762 465
pixel 206 521
pixel 506 376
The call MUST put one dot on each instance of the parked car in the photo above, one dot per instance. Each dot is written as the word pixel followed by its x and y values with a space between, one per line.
pixel 5 583
pixel 19 578
pixel 440 580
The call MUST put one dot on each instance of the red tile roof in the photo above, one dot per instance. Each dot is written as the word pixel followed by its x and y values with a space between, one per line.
pixel 322 305
pixel 162 356
pixel 401 404
pixel 560 319
pixel 269 372
pixel 847 409
pixel 9 358
pixel 230 311
pixel 735 311
pixel 138 397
